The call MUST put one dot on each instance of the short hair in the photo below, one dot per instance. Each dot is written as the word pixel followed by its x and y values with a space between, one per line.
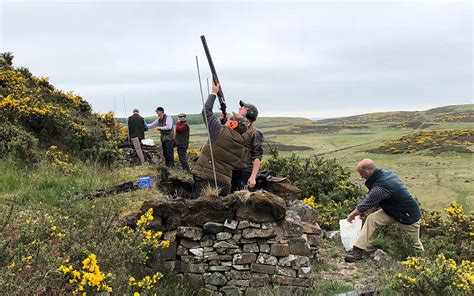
pixel 136 110
pixel 160 109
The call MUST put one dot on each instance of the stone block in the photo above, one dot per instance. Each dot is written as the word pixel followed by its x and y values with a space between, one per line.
pixel 215 278
pixel 242 267
pixel 224 245
pixel 262 268
pixel 258 233
pixel 181 251
pixel 314 240
pixel 233 251
pixel 194 267
pixel 265 248
pixel 300 261
pixel 267 259
pixel 192 233
pixel 304 272
pixel 285 271
pixel 299 246
pixel 231 291
pixel 198 252
pixel 251 248
pixel 311 228
pixel 231 224
pixel 238 275
pixel 213 227
pixel 256 225
pixel 244 258
pixel 259 280
pixel 172 266
pixel 170 235
pixel 243 224
pixel 223 236
pixel 221 257
pixel 219 268
pixel 292 224
pixel 211 287
pixel 267 225
pixel 280 250
pixel 287 261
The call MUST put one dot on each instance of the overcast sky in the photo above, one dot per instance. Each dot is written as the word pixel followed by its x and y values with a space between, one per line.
pixel 311 59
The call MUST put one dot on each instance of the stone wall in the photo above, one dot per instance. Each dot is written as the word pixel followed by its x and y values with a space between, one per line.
pixel 237 256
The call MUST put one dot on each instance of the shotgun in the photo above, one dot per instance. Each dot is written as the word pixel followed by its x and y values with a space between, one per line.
pixel 215 78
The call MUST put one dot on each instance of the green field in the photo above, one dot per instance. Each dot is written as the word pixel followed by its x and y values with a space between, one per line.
pixel 435 179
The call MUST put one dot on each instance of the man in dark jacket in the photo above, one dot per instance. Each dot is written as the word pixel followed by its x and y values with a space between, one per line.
pixel 136 133
pixel 397 207
pixel 226 146
pixel 181 139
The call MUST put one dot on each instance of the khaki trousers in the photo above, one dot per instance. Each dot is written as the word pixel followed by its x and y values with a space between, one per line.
pixel 381 218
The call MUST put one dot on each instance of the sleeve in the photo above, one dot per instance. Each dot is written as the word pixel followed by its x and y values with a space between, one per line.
pixel 153 124
pixel 257 145
pixel 375 196
pixel 214 126
pixel 169 123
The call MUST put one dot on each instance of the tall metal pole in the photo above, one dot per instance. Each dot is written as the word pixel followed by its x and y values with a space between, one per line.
pixel 207 124
pixel 126 118
pixel 208 91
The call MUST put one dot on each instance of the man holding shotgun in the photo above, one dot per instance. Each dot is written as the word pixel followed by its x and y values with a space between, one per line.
pixel 227 144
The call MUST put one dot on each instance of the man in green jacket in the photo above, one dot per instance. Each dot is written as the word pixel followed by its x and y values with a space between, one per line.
pixel 227 146
pixel 398 206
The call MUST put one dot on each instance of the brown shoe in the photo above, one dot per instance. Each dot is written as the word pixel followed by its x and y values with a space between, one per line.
pixel 356 255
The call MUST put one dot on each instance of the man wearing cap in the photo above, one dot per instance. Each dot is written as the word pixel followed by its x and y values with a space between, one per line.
pixel 223 154
pixel 181 139
pixel 164 124
pixel 253 150
pixel 136 133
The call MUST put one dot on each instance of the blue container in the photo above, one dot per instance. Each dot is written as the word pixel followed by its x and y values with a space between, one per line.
pixel 144 183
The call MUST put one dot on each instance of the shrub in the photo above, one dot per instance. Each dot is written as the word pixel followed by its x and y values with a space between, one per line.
pixel 18 143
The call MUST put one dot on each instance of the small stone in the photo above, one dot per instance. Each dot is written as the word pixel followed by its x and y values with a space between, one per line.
pixel 226 263
pixel 219 268
pixel 315 240
pixel 285 271
pixel 299 246
pixel 223 236
pixel 221 257
pixel 262 268
pixel 267 259
pixel 241 283
pixel 181 251
pixel 198 252
pixel 215 278
pixel 237 237
pixel 300 261
pixel 238 275
pixel 251 248
pixel 268 225
pixel 170 235
pixel 224 245
pixel 304 272
pixel 214 263
pixel 311 228
pixel 258 233
pixel 192 233
pixel 231 224
pixel 265 248
pixel 334 234
pixel 243 224
pixel 189 244
pixel 280 250
pixel 292 224
pixel 241 267
pixel 244 258
pixel 207 255
pixel 287 261
pixel 256 225
pixel 259 280
pixel 213 227
pixel 233 251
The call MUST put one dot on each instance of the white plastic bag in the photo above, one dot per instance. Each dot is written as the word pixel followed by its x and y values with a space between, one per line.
pixel 349 231
pixel 148 142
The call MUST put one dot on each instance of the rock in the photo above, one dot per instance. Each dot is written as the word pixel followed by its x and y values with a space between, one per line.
pixel 304 272
pixel 192 233
pixel 314 240
pixel 380 256
pixel 280 250
pixel 241 283
pixel 304 211
pixel 194 268
pixel 262 206
pixel 268 225
pixel 224 245
pixel 213 227
pixel 300 261
pixel 226 263
pixel 334 235
pixel 198 252
pixel 170 235
pixel 265 248
pixel 292 224
pixel 233 251
pixel 238 275
pixel 189 244
pixel 291 281
pixel 231 291
pixel 169 253
pixel 215 278
pixel 231 224
pixel 258 233
pixel 221 257
pixel 181 251
pixel 255 225
pixel 287 261
pixel 311 228
pixel 248 240
pixel 243 224
pixel 209 254
pixel 299 246
pixel 211 287
pixel 206 292
pixel 262 268
pixel 193 280
pixel 250 248
pixel 241 267
pixel 244 258
pixel 237 236
pixel 267 259
pixel 258 280
pixel 192 259
pixel 285 271
pixel 172 266
pixel 223 236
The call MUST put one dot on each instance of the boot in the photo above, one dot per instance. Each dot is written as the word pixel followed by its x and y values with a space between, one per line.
pixel 356 255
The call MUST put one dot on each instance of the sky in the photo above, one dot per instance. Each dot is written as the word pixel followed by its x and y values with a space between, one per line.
pixel 314 59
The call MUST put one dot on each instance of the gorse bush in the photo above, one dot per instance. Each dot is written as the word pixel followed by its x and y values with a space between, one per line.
pixel 17 143
pixel 324 181
pixel 54 117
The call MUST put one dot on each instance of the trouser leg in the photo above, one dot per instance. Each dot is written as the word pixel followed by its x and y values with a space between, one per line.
pixel 236 181
pixel 168 152
pixel 375 219
pixel 413 230
pixel 183 158
pixel 138 148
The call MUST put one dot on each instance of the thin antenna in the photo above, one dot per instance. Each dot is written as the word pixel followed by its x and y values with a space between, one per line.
pixel 208 91
pixel 126 117
pixel 115 107
pixel 207 124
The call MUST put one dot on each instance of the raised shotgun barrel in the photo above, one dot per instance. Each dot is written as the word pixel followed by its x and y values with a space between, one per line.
pixel 215 78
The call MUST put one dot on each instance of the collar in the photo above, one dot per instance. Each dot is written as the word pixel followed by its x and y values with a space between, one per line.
pixel 371 180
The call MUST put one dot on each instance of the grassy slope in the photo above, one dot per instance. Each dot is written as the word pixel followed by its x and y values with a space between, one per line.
pixel 434 180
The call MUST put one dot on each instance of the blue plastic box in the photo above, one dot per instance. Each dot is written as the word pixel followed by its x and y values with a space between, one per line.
pixel 144 183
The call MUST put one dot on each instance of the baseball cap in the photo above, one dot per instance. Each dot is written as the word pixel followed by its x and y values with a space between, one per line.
pixel 252 111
